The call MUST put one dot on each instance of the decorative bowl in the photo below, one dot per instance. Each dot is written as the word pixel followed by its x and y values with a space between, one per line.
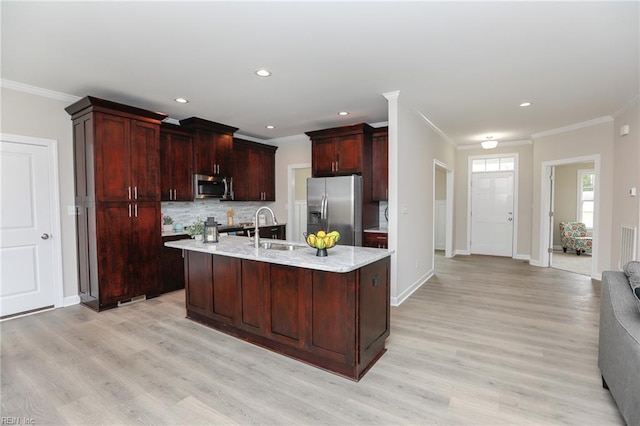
pixel 322 241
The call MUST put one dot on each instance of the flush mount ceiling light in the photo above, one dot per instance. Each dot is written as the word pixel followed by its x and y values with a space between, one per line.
pixel 263 73
pixel 343 113
pixel 181 100
pixel 525 104
pixel 270 126
pixel 489 143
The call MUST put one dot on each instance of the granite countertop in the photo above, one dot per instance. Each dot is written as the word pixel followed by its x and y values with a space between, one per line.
pixel 340 258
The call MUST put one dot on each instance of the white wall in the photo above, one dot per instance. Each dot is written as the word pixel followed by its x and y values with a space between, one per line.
pixel 37 116
pixel 413 147
pixel 292 150
pixel 626 176
pixel 582 139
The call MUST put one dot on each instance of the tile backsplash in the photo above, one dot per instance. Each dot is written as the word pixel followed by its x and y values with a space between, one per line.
pixel 384 223
pixel 186 212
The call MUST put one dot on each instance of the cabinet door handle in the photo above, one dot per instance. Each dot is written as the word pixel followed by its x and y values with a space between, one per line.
pixel 175 194
pixel 129 210
pixel 135 192
pixel 337 166
pixel 136 210
pixel 170 197
pixel 128 192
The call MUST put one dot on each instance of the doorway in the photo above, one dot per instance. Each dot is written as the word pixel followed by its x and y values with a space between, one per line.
pixel 30 243
pixel 442 210
pixel 492 204
pixel 572 201
pixel 549 222
pixel 297 217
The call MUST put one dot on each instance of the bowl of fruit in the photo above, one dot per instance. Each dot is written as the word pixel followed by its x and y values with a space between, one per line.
pixel 322 241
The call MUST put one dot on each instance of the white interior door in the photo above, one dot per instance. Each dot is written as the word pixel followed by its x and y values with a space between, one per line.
pixel 492 213
pixel 26 250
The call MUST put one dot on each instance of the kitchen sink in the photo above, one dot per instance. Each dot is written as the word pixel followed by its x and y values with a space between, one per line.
pixel 270 245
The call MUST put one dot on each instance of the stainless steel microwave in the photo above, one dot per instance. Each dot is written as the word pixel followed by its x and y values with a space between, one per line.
pixel 206 186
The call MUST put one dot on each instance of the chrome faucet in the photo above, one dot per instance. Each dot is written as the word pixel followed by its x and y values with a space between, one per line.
pixel 256 236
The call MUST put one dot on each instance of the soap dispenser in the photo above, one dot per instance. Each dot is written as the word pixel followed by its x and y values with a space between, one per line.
pixel 210 230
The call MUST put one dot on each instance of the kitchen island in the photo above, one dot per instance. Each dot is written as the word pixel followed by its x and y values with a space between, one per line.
pixel 331 312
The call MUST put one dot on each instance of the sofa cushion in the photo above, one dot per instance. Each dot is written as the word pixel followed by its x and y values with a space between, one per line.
pixel 632 271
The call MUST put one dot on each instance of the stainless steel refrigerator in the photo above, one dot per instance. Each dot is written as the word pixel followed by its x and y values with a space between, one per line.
pixel 335 204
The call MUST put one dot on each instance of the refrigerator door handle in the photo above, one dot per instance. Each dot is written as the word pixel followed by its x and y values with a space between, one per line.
pixel 326 213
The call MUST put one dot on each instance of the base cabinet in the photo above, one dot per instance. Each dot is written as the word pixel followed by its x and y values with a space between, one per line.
pixel 375 239
pixel 171 265
pixel 336 321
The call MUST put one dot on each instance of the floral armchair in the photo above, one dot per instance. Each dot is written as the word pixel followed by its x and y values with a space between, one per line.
pixel 574 236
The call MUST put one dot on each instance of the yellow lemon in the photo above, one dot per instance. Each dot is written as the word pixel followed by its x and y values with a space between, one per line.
pixel 320 243
pixel 311 240
pixel 321 234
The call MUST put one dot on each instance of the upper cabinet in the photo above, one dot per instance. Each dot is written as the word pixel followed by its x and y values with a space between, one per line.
pixel 176 163
pixel 121 149
pixel 254 165
pixel 380 164
pixel 341 150
pixel 212 146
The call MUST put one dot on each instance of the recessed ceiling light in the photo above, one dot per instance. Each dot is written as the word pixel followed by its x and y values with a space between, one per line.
pixel 525 104
pixel 181 100
pixel 270 126
pixel 343 113
pixel 263 73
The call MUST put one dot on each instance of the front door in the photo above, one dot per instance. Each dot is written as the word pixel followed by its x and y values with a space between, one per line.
pixel 26 250
pixel 492 213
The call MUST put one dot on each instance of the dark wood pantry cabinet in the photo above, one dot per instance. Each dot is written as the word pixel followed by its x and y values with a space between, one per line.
pixel 380 164
pixel 176 163
pixel 117 190
pixel 212 146
pixel 254 166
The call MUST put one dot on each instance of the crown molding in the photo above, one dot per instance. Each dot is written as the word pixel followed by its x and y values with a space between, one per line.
pixel 500 145
pixel 589 123
pixel 627 106
pixel 39 91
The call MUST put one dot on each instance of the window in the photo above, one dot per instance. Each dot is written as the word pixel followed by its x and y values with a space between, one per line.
pixel 497 164
pixel 586 180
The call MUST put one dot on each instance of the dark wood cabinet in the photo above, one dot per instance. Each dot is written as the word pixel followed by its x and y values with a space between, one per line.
pixel 171 265
pixel 254 167
pixel 341 151
pixel 336 321
pixel 380 164
pixel 117 171
pixel 176 163
pixel 274 232
pixel 128 167
pixel 212 146
pixel 214 286
pixel 375 239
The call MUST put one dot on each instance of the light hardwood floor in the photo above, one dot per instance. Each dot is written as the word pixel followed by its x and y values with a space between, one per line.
pixel 486 341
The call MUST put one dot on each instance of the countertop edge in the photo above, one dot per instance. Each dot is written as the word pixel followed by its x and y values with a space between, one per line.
pixel 340 259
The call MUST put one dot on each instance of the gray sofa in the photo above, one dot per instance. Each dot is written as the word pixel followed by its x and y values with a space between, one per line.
pixel 619 345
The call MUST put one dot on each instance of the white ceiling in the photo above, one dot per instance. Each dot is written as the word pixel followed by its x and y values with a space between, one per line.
pixel 466 66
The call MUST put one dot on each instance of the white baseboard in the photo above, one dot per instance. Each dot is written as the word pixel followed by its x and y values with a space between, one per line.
pixel 70 301
pixel 397 301
pixel 461 252
pixel 522 256
pixel 534 262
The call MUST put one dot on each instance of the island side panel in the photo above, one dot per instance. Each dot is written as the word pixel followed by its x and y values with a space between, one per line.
pixel 374 301
pixel 333 313
pixel 226 289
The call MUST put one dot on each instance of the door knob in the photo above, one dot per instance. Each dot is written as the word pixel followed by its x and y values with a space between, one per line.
pixel 45 236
